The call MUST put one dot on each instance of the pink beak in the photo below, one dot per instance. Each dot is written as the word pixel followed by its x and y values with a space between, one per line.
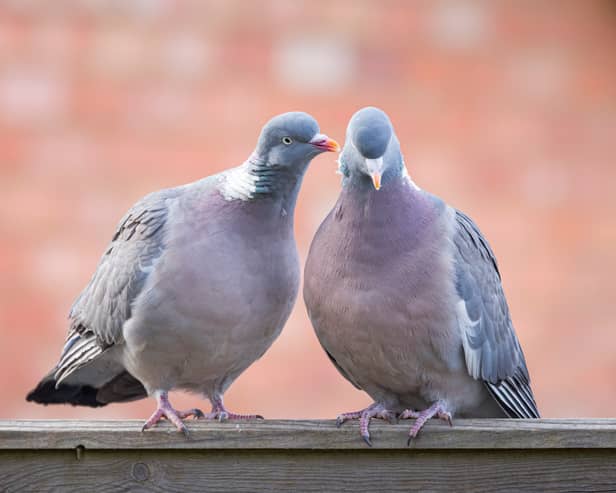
pixel 324 143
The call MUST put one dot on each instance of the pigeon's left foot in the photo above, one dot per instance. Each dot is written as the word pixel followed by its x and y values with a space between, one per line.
pixel 376 410
pixel 219 412
pixel 437 410
pixel 165 410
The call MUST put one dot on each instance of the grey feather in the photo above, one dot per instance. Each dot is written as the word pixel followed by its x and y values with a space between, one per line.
pixel 341 370
pixel 98 314
pixel 491 347
pixel 196 283
pixel 404 292
pixel 138 242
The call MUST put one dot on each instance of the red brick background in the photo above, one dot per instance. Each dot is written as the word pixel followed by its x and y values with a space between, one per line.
pixel 506 109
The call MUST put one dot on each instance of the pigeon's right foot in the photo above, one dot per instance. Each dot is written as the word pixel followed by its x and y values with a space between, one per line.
pixel 165 410
pixel 376 410
pixel 220 412
pixel 437 410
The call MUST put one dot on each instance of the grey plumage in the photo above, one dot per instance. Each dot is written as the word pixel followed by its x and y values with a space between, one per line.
pixel 97 316
pixel 89 359
pixel 492 350
pixel 405 295
pixel 196 284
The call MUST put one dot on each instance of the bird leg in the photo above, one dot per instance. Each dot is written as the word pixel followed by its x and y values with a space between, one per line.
pixel 219 412
pixel 376 410
pixel 165 410
pixel 436 410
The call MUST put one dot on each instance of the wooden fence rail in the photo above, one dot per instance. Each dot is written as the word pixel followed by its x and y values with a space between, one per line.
pixel 474 455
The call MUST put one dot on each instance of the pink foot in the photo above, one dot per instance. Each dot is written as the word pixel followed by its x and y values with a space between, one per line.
pixel 165 410
pixel 219 412
pixel 437 410
pixel 376 410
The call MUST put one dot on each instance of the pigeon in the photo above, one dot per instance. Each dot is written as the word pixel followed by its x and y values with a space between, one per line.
pixel 196 284
pixel 405 295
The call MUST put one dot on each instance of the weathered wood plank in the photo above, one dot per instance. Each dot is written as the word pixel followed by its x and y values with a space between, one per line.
pixel 308 471
pixel 487 434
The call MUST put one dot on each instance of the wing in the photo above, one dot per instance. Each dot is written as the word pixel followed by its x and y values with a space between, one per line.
pixel 98 314
pixel 491 348
pixel 340 369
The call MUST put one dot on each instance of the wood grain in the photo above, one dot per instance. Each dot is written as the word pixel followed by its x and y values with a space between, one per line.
pixel 310 471
pixel 474 455
pixel 322 435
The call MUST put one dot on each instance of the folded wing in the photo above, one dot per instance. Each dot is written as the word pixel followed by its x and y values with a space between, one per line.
pixel 491 348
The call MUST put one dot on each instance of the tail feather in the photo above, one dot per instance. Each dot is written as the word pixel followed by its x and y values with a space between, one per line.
pixel 122 388
pixel 77 395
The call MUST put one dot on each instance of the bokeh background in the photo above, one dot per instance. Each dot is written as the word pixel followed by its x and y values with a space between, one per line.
pixel 505 108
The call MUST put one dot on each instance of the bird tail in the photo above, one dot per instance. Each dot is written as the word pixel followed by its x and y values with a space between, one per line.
pixel 123 388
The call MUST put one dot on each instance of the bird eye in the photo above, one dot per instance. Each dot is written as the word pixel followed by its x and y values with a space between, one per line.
pixel 287 141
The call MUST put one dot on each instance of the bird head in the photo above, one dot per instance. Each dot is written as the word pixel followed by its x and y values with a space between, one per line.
pixel 291 140
pixel 371 151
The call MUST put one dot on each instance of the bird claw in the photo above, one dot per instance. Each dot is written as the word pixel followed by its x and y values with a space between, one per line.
pixel 185 432
pixel 392 419
pixel 437 410
pixel 409 414
pixel 195 413
pixel 367 440
pixel 340 420
pixel 446 417
pixel 376 410
pixel 165 410
pixel 220 413
pixel 244 417
pixel 344 417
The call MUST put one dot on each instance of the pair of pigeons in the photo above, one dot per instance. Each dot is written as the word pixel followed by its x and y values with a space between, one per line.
pixel 403 291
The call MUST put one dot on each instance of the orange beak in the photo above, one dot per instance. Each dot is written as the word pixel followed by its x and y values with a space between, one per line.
pixel 323 142
pixel 376 179
pixel 375 169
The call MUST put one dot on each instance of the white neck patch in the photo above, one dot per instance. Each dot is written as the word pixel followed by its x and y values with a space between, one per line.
pixel 405 174
pixel 239 183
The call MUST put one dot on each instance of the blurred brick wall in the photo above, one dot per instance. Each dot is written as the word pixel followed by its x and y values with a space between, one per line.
pixel 506 109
